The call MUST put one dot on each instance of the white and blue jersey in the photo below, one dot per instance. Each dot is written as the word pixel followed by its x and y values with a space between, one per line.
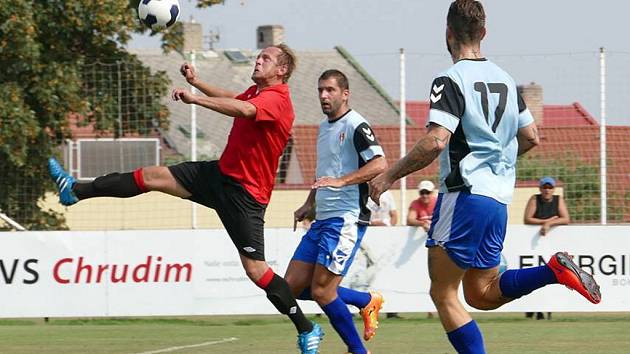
pixel 343 146
pixel 479 104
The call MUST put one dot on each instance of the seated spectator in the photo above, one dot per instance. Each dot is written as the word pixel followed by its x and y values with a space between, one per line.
pixel 385 213
pixel 421 209
pixel 546 209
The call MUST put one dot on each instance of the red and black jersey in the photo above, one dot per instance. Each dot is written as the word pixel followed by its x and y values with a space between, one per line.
pixel 254 146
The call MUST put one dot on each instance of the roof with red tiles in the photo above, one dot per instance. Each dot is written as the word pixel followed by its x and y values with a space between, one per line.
pixel 554 115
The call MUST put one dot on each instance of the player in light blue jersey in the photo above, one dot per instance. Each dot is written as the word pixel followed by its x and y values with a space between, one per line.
pixel 478 125
pixel 348 155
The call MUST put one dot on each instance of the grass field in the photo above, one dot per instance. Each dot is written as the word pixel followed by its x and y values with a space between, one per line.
pixel 503 333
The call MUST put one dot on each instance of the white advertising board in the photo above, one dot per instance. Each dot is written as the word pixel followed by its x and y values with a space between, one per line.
pixel 198 272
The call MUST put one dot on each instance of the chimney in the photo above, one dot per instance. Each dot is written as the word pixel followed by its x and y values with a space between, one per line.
pixel 269 35
pixel 533 96
pixel 193 37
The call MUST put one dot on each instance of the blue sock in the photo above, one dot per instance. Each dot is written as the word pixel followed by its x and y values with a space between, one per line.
pixel 467 339
pixel 359 299
pixel 515 283
pixel 341 320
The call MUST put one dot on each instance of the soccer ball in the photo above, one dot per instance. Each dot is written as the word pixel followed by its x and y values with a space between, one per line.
pixel 158 14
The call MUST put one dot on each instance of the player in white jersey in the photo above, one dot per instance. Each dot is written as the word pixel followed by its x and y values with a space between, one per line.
pixel 348 155
pixel 478 125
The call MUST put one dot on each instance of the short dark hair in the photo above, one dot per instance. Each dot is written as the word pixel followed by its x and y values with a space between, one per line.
pixel 466 19
pixel 288 58
pixel 341 78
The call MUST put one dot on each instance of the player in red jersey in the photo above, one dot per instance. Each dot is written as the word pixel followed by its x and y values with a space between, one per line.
pixel 238 185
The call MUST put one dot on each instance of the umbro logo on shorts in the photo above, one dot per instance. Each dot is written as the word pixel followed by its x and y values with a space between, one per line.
pixel 293 310
pixel 249 249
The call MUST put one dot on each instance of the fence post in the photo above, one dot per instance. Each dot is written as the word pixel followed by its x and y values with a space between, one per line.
pixel 602 134
pixel 193 139
pixel 403 137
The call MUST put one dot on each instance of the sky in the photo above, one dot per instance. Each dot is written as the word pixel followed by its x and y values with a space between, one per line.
pixel 554 43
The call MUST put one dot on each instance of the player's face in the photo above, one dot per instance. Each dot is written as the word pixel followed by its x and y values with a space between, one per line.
pixel 266 67
pixel 332 98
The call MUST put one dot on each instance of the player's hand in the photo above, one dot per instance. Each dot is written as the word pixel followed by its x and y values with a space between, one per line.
pixel 328 181
pixel 378 186
pixel 300 214
pixel 188 72
pixel 183 95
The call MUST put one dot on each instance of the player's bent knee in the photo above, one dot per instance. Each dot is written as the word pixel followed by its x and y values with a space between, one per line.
pixel 478 302
pixel 322 295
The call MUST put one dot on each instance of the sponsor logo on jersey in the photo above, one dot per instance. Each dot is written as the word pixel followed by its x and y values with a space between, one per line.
pixel 436 94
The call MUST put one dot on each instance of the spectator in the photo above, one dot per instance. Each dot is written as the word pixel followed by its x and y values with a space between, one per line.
pixel 384 214
pixel 548 210
pixel 421 209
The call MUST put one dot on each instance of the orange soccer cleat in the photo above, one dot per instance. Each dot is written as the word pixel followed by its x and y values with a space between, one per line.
pixel 573 277
pixel 370 315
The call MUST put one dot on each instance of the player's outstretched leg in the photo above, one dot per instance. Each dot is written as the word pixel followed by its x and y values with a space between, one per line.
pixel 64 182
pixel 515 283
pixel 569 274
pixel 369 304
pixel 118 185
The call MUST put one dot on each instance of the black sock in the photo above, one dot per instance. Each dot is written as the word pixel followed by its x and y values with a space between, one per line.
pixel 279 294
pixel 120 185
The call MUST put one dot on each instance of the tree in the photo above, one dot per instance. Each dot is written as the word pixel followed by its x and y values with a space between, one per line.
pixel 45 46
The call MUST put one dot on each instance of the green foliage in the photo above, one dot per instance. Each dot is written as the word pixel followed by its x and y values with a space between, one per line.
pixel 46 47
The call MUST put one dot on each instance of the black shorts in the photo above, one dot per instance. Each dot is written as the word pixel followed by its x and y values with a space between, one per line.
pixel 241 215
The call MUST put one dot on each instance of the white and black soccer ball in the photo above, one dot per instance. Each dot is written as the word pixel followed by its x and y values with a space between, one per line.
pixel 158 14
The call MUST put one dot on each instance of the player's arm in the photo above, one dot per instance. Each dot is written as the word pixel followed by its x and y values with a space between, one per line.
pixel 230 107
pixel 302 211
pixel 446 109
pixel 527 134
pixel 370 170
pixel 188 72
pixel 527 138
pixel 427 149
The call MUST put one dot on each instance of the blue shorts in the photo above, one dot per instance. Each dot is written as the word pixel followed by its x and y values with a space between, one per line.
pixel 332 243
pixel 470 227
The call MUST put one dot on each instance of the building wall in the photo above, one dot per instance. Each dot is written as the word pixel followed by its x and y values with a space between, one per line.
pixel 159 211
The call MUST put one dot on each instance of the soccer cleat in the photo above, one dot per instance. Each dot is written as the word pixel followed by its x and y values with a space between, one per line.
pixel 573 277
pixel 308 342
pixel 64 182
pixel 370 315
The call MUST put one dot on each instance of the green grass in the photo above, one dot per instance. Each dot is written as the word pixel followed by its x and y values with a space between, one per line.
pixel 504 333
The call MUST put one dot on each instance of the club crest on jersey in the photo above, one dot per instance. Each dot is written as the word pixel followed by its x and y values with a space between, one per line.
pixel 342 138
pixel 436 93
